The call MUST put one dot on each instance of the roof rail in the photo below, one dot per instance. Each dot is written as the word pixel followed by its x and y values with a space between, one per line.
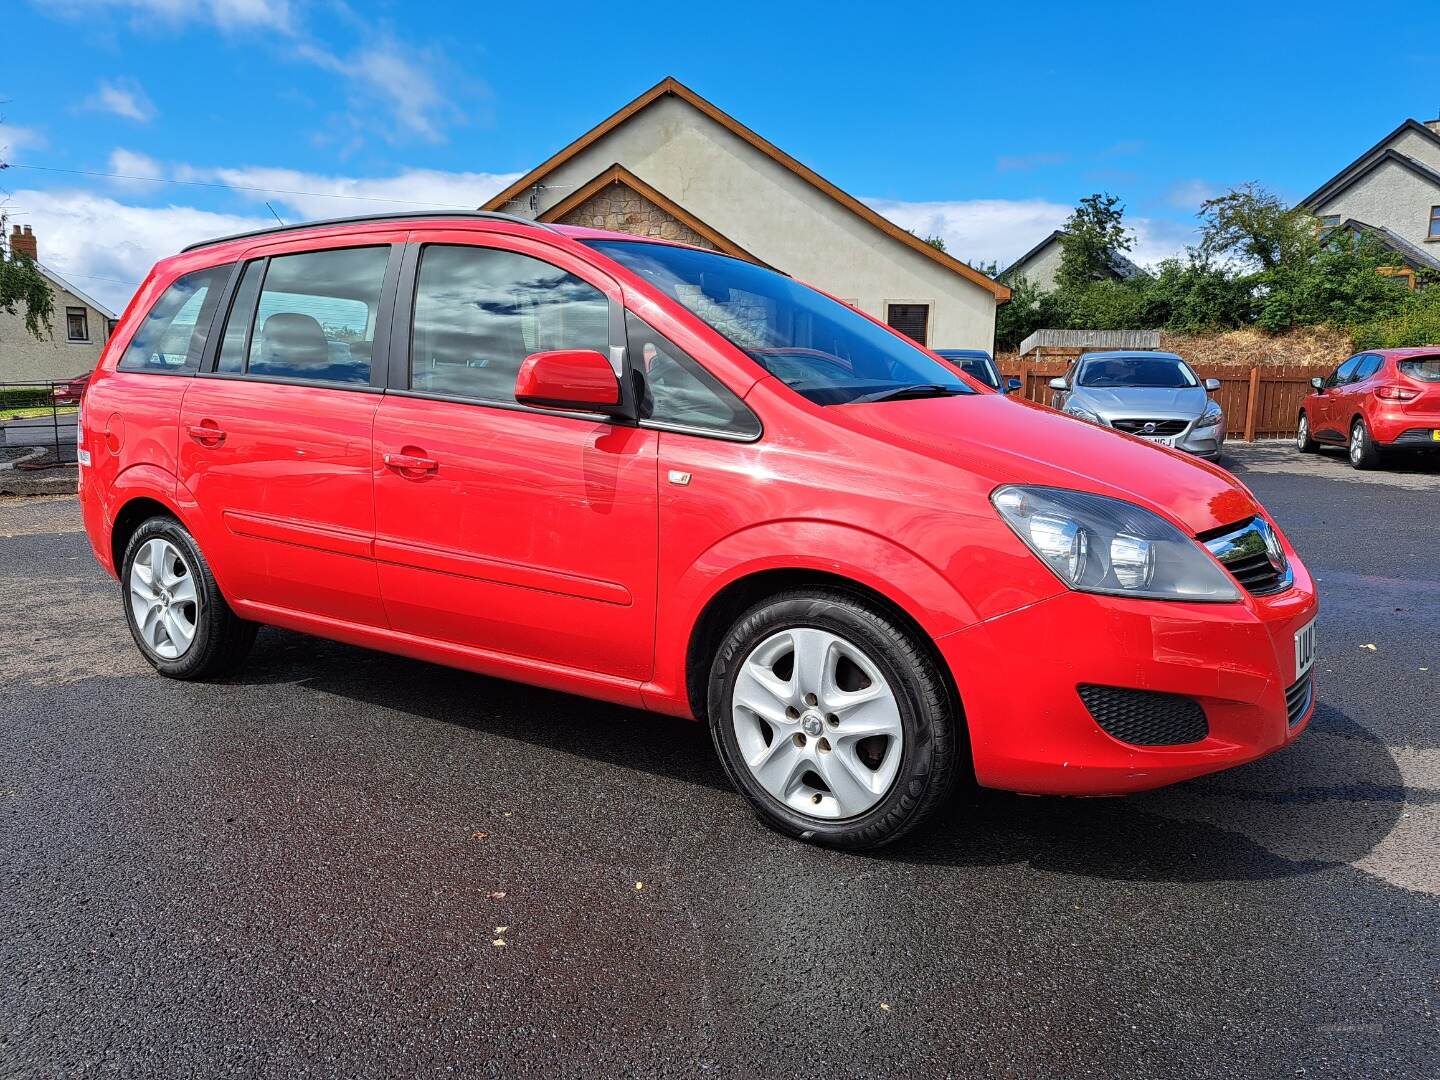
pixel 365 219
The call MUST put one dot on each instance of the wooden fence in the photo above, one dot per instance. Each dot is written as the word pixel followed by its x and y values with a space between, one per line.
pixel 1259 402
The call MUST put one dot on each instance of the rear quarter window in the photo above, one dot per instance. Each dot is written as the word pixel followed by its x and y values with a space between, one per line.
pixel 172 335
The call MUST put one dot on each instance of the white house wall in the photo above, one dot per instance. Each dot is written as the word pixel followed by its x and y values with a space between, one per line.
pixel 782 219
pixel 52 359
pixel 1389 195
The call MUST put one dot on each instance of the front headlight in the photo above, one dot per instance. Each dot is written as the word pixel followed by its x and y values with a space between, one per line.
pixel 1083 414
pixel 1212 415
pixel 1101 545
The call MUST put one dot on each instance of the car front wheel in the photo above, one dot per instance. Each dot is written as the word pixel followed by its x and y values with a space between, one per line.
pixel 1303 442
pixel 832 719
pixel 174 608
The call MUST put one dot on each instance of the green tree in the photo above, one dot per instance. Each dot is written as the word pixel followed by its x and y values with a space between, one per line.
pixel 24 288
pixel 1253 228
pixel 1094 235
pixel 1028 310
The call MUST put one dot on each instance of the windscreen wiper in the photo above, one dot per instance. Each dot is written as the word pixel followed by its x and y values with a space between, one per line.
pixel 918 390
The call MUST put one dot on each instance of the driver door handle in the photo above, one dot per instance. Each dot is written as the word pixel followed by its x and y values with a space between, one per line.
pixel 410 463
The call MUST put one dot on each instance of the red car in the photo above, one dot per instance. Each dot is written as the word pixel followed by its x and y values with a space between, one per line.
pixel 70 392
pixel 663 477
pixel 1373 403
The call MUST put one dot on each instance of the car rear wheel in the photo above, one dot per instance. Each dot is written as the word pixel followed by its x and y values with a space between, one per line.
pixel 174 608
pixel 832 719
pixel 1364 454
pixel 1303 442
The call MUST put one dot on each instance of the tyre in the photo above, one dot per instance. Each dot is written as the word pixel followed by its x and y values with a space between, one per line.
pixel 833 720
pixel 1364 454
pixel 1303 442
pixel 176 614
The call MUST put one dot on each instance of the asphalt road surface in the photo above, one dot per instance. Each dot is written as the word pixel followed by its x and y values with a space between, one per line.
pixel 343 863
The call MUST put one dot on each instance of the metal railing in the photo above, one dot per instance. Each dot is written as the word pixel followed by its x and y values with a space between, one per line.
pixel 39 417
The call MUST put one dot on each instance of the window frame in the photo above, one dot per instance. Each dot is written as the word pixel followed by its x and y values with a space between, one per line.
pixel 1434 231
pixel 384 310
pixel 928 305
pixel 402 324
pixel 71 310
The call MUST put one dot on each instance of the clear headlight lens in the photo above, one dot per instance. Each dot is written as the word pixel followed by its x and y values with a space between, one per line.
pixel 1212 415
pixel 1083 414
pixel 1101 545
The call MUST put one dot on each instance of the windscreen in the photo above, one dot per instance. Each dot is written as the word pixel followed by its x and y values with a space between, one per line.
pixel 1150 371
pixel 1424 368
pixel 820 348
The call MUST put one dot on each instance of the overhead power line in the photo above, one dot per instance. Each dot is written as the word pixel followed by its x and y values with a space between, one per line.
pixel 238 187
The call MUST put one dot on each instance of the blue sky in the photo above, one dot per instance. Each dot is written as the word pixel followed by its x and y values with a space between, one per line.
pixel 984 123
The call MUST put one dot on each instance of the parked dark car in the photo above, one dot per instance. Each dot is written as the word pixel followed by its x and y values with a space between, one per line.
pixel 978 364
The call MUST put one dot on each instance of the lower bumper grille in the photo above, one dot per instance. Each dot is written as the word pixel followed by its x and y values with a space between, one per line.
pixel 1298 699
pixel 1145 718
pixel 1416 436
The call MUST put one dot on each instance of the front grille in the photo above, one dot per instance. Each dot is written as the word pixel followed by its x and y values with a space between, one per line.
pixel 1298 698
pixel 1416 436
pixel 1253 555
pixel 1145 718
pixel 1162 427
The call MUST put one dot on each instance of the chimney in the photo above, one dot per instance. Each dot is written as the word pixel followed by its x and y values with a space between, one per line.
pixel 23 243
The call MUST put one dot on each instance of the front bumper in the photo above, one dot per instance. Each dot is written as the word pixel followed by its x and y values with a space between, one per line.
pixel 1030 732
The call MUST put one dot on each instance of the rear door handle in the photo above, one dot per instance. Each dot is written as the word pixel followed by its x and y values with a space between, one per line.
pixel 411 463
pixel 207 434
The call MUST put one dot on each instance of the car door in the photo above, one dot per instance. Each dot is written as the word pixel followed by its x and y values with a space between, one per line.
pixel 275 435
pixel 1359 388
pixel 500 527
pixel 1330 404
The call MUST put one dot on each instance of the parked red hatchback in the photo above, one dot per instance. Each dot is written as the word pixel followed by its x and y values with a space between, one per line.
pixel 1375 403
pixel 663 477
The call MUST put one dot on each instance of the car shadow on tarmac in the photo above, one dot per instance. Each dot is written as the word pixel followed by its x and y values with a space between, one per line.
pixel 1326 800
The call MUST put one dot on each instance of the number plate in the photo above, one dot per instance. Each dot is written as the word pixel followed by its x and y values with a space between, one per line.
pixel 1159 440
pixel 1435 434
pixel 1304 649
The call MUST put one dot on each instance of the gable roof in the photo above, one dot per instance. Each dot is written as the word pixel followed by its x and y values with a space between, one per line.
pixel 618 174
pixel 670 85
pixel 1380 152
pixel 1415 257
pixel 1121 266
pixel 61 283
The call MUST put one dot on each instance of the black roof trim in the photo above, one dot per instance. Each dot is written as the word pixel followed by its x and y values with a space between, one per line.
pixel 1361 164
pixel 367 219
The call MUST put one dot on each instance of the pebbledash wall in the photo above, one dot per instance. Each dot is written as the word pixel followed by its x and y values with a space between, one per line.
pixel 768 210
pixel 60 354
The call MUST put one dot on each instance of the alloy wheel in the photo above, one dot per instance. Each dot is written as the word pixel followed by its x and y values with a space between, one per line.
pixel 1302 437
pixel 817 724
pixel 1357 444
pixel 163 599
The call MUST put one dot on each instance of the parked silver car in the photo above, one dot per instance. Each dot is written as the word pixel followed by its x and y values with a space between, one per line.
pixel 1153 395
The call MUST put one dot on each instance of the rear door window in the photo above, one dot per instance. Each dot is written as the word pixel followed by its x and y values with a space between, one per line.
pixel 309 317
pixel 173 333
pixel 1369 364
pixel 1344 373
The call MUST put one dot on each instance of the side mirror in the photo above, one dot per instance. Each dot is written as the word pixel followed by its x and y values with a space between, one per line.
pixel 1211 385
pixel 1318 383
pixel 1011 385
pixel 580 379
pixel 1059 384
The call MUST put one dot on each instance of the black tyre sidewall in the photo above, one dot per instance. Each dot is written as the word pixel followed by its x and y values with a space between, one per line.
pixel 221 639
pixel 928 766
pixel 1369 452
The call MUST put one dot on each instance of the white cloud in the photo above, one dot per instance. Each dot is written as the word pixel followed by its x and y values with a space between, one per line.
pixel 393 78
pixel 1001 230
pixel 312 195
pixel 124 98
pixel 106 247
pixel 15 140
pixel 226 14
pixel 1189 194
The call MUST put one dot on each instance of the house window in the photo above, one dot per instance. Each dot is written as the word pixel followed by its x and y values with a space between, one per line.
pixel 77 324
pixel 1435 223
pixel 912 320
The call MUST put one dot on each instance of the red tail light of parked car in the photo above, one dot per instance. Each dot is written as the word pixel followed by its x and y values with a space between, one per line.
pixel 667 478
